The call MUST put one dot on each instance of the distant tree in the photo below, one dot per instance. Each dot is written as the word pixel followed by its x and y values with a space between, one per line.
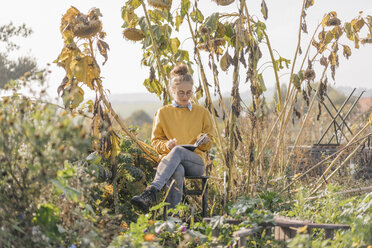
pixel 336 96
pixel 10 70
pixel 283 90
pixel 139 118
pixel 13 69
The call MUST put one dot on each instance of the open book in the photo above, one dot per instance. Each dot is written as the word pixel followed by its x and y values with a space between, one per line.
pixel 196 144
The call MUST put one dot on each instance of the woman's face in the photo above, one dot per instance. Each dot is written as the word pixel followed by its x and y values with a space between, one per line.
pixel 182 93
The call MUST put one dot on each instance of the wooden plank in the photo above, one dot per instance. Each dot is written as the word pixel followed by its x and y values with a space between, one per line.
pixel 277 233
pixel 299 223
pixel 286 228
pixel 242 242
pixel 247 232
pixel 228 221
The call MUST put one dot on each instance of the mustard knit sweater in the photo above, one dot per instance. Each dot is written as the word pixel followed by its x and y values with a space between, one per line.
pixel 184 125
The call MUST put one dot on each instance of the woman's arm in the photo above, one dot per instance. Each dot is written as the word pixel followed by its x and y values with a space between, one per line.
pixel 207 129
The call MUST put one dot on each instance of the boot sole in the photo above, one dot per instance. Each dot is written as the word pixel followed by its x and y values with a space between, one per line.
pixel 139 205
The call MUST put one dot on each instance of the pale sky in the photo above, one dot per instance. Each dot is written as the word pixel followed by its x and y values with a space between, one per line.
pixel 123 73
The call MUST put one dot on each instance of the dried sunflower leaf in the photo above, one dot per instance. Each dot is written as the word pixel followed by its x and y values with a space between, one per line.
pixel 346 51
pixel 264 9
pixel 102 48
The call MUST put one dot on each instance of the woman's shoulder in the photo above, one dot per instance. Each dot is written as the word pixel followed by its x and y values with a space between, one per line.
pixel 199 108
pixel 164 109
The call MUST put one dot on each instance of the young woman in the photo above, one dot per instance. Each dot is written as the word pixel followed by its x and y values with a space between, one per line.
pixel 174 125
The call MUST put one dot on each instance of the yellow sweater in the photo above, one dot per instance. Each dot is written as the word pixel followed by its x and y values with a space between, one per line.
pixel 186 126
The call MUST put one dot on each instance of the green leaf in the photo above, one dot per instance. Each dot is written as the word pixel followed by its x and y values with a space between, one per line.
pixel 197 16
pixel 70 192
pixel 259 28
pixel 154 86
pixel 301 75
pixel 212 22
pixel 47 217
pixel 185 6
pixel 183 55
pixel 159 206
pixel 174 44
pixel 157 16
pixel 298 79
pixel 264 9
pixel 47 214
pixel 93 158
pixel 279 63
pixel 179 21
pixel 261 82
pixel 134 3
pixel 142 23
pixel 156 30
pixel 229 34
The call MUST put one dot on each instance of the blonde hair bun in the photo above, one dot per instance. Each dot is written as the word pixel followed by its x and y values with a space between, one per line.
pixel 180 74
pixel 179 70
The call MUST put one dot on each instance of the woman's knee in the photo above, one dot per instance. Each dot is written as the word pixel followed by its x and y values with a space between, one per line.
pixel 177 149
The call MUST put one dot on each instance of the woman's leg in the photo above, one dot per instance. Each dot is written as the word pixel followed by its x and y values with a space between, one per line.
pixel 176 181
pixel 188 168
pixel 192 163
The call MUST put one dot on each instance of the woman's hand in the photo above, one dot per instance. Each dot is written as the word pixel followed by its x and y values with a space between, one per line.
pixel 205 140
pixel 171 144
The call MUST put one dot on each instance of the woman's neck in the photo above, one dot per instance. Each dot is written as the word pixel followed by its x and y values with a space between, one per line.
pixel 182 104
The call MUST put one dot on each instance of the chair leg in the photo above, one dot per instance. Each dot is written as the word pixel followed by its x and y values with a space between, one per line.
pixel 205 198
pixel 165 213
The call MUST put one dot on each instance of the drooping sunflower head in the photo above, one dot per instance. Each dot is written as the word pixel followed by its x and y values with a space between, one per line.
pixel 309 74
pixel 133 34
pixel 366 40
pixel 75 23
pixel 160 4
pixel 334 21
pixel 219 41
pixel 86 27
pixel 223 2
pixel 204 30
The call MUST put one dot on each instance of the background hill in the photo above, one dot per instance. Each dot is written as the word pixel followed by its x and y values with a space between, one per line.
pixel 126 104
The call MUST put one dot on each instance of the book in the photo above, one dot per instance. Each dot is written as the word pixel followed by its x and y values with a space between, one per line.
pixel 196 144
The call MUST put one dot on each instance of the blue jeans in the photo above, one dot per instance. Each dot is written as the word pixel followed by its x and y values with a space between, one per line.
pixel 179 163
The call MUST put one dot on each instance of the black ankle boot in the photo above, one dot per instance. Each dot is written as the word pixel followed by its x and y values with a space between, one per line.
pixel 146 199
